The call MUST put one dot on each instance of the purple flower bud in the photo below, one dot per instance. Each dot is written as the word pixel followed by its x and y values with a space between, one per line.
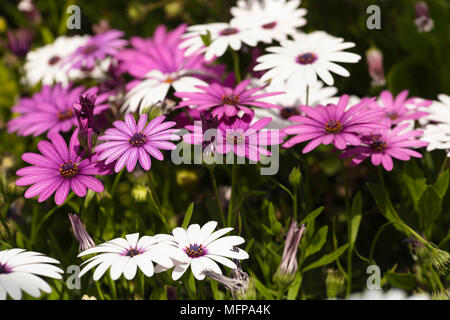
pixel 208 122
pixel 82 236
pixel 19 42
pixel 289 264
pixel 84 111
pixel 423 20
pixel 375 63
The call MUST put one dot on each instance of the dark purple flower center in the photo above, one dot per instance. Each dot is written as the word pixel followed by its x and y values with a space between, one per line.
pixel 228 31
pixel 54 60
pixel 195 251
pixel 138 139
pixel 4 269
pixel 270 25
pixel 307 58
pixel 65 114
pixel 231 99
pixel 289 112
pixel 90 48
pixel 333 126
pixel 378 145
pixel 68 169
pixel 132 252
pixel 392 115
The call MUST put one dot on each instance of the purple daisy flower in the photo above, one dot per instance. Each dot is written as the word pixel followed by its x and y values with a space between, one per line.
pixel 333 124
pixel 60 169
pixel 382 145
pixel 236 135
pixel 401 108
pixel 51 110
pixel 97 48
pixel 226 101
pixel 128 142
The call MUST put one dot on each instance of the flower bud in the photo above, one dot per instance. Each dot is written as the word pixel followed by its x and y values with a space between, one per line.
pixel 186 178
pixel 295 177
pixel 335 284
pixel 80 233
pixel 374 59
pixel 423 20
pixel 19 42
pixel 288 266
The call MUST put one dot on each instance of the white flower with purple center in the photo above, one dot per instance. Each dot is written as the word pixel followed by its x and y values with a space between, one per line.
pixel 223 35
pixel 20 271
pixel 308 56
pixel 272 19
pixel 125 256
pixel 203 248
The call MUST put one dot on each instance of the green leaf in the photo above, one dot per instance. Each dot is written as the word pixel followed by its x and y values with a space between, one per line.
pixel 262 289
pixel 441 184
pixel 379 196
pixel 295 287
pixel 187 216
pixel 312 215
pixel 429 207
pixel 406 281
pixel 275 225
pixel 356 217
pixel 317 242
pixel 327 259
pixel 191 284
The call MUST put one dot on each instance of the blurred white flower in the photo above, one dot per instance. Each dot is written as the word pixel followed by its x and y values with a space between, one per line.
pixel 19 271
pixel 436 128
pixel 271 19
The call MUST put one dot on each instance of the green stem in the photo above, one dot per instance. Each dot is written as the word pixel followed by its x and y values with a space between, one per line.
pixel 99 291
pixel 294 200
pixel 444 164
pixel 112 285
pixel 116 181
pixel 216 192
pixel 349 230
pixel 237 72
pixel 233 193
pixel 307 95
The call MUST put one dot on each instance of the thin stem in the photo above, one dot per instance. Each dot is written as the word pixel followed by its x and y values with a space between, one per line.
pixel 307 95
pixel 116 181
pixel 99 291
pixel 237 72
pixel 444 164
pixel 349 230
pixel 233 193
pixel 112 285
pixel 294 200
pixel 216 192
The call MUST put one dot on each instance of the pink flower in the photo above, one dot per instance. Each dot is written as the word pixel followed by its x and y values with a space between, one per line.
pixel 97 48
pixel 236 135
pixel 332 124
pixel 382 145
pixel 401 108
pixel 226 101
pixel 60 169
pixel 128 142
pixel 52 110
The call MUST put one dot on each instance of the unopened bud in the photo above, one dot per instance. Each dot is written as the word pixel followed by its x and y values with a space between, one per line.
pixel 335 284
pixel 374 59
pixel 285 273
pixel 295 177
pixel 84 239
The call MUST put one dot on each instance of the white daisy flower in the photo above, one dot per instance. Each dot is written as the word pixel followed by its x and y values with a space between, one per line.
pixel 223 35
pixel 126 255
pixel 291 100
pixel 272 19
pixel 436 129
pixel 155 87
pixel 202 247
pixel 301 60
pixel 48 63
pixel 19 271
